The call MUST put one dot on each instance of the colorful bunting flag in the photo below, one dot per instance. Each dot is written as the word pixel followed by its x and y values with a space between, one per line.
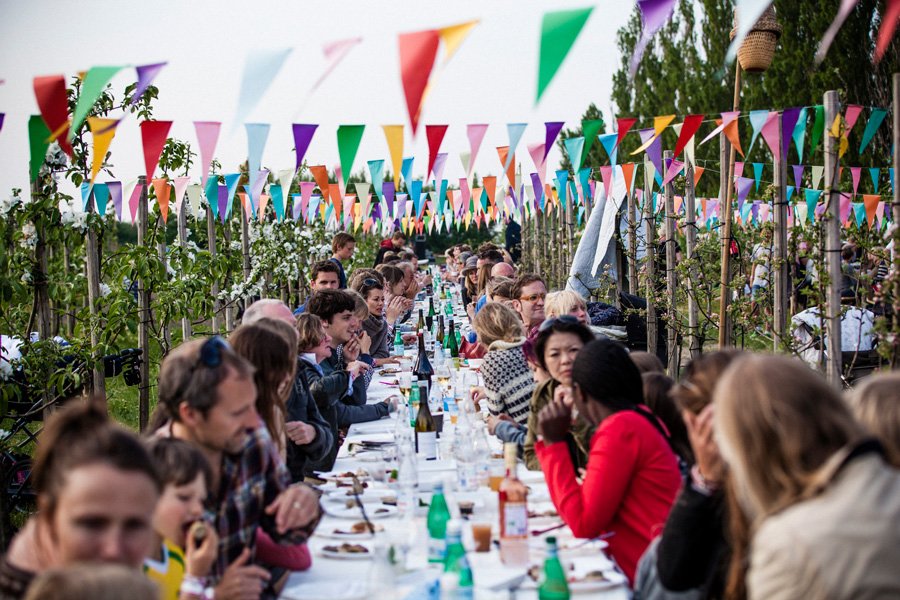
pixel 589 130
pixel 435 135
pixel 559 29
pixel 515 131
pixel 875 120
pixel 818 128
pixel 163 191
pixel 257 134
pixel 348 139
pixel 53 102
pixel 103 130
pixel 825 43
pixel 259 71
pixel 38 135
pixel 145 76
pixel 757 119
pixel 153 138
pixel 92 86
pixel 789 119
pixel 654 14
pixel 207 136
pixel 887 28
pixel 417 53
pixel 689 129
pixel 799 133
pixel 393 134
pixel 334 53
pixel 303 135
pixel 475 132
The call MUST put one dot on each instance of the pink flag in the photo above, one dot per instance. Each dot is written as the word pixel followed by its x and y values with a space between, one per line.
pixel 674 169
pixel 181 184
pixel 207 136
pixel 727 119
pixel 306 190
pixel 850 116
pixel 475 133
pixel 135 200
pixel 854 173
pixel 770 134
pixel 334 53
pixel 536 151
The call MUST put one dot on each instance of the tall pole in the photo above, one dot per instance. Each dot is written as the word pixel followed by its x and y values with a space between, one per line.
pixel 211 241
pixel 632 245
pixel 650 258
pixel 779 260
pixel 93 280
pixel 895 206
pixel 182 241
pixel 690 234
pixel 162 251
pixel 725 274
pixel 143 313
pixel 832 245
pixel 671 247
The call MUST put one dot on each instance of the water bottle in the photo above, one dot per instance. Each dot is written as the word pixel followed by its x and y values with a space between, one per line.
pixel 456 581
pixel 407 475
pixel 466 478
pixel 482 455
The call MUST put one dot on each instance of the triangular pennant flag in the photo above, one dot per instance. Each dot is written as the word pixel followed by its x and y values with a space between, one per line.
pixel 757 119
pixel 180 184
pixel 757 173
pixel 850 117
pixel 263 203
pixel 475 132
pixel 574 146
pixel 406 170
pixel 606 177
pixel 789 118
pixel 393 134
pixel 193 194
pixel 134 199
pixel 211 190
pixel 348 139
pixel 812 199
pixel 320 174
pixel 303 135
pixel 628 172
pixel 257 134
pixel 417 53
pixel 623 126
pixel 743 185
pixel 789 189
pixel 562 179
pixel 162 190
pixel 859 211
pixel 334 53
pixel 698 173
pixel 659 125
pixel 92 86
pixel 207 136
pixel 886 29
pixel 609 141
pixel 503 154
pixel 376 172
pixel 103 131
pixel 231 184
pixel 675 167
pixel 798 175
pixel 53 102
pixel 306 193
pixel 818 128
pixel 37 139
pixel 589 130
pixel 559 29
pixel 515 131
pixel 738 169
pixel 875 174
pixel 387 192
pixel 817 173
pixel 85 194
pixel 439 163
pixel 115 193
pixel 855 172
pixel 259 71
pixel 799 134
pixel 688 130
pixel 285 179
pixel 825 43
pixel 551 130
pixel 875 120
pixel 453 36
pixel 153 138
pixel 727 119
pixel 145 74
pixel 490 187
pixel 871 204
pixel 435 135
pixel 101 197
pixel 654 14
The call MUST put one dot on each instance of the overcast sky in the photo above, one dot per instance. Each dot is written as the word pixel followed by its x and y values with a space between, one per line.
pixel 492 78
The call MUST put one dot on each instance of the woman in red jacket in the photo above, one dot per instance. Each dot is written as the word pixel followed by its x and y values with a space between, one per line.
pixel 632 473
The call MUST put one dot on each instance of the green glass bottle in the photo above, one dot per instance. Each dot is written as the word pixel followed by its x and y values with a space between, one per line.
pixel 398 342
pixel 420 325
pixel 453 341
pixel 413 403
pixel 553 585
pixel 438 516
pixel 456 582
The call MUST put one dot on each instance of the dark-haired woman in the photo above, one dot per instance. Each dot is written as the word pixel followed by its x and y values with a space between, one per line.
pixel 632 473
pixel 557 344
pixel 96 487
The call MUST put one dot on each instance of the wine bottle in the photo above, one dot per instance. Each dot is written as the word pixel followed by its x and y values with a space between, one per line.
pixel 426 430
pixel 513 507
pixel 423 369
pixel 420 326
pixel 453 344
pixel 429 318
pixel 439 338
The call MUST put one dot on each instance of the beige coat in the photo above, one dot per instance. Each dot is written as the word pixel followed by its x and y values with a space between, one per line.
pixel 842 543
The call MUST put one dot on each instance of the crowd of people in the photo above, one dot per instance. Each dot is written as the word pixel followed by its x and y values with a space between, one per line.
pixel 749 477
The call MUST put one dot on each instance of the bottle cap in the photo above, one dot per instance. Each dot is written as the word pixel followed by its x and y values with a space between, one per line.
pixel 551 540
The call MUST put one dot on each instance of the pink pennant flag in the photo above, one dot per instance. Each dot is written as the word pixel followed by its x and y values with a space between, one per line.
pixel 855 173
pixel 438 170
pixel 846 207
pixel 727 119
pixel 770 134
pixel 606 175
pixel 115 193
pixel 763 212
pixel 536 151
pixel 675 167
pixel 850 116
pixel 334 53
pixel 743 185
pixel 207 136
pixel 464 192
pixel 306 190
pixel 738 169
pixel 475 133
pixel 134 201
pixel 181 184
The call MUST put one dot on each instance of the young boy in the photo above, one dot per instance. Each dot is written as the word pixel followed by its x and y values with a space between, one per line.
pixel 185 546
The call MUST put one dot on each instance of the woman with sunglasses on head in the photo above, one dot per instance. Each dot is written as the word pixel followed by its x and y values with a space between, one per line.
pixel 379 322
pixel 96 487
pixel 632 473
pixel 557 344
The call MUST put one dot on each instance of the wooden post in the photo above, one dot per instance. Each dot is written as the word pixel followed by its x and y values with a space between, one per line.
pixel 229 304
pixel 186 331
pixel 632 245
pixel 211 235
pixel 92 250
pixel 143 313
pixel 671 247
pixel 779 258
pixel 725 211
pixel 650 258
pixel 832 245
pixel 690 234
pixel 537 244
pixel 70 310
pixel 163 253
pixel 245 252
pixel 895 209
pixel 570 242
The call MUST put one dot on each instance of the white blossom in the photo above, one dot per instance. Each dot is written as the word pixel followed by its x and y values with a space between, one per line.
pixel 104 290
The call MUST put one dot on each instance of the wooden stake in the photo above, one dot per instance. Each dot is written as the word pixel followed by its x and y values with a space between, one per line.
pixel 186 330
pixel 895 209
pixel 211 235
pixel 725 272
pixel 671 247
pixel 650 258
pixel 779 254
pixel 690 234
pixel 93 279
pixel 832 244
pixel 143 313
pixel 632 245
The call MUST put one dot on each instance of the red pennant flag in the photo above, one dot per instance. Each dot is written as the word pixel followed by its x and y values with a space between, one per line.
pixel 435 135
pixel 490 185
pixel 688 130
pixel 417 53
pixel 623 126
pixel 887 28
pixel 50 92
pixel 163 191
pixel 153 136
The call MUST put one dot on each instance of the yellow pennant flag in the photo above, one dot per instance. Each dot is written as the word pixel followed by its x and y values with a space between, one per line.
pixel 837 131
pixel 659 125
pixel 394 136
pixel 453 36
pixel 103 131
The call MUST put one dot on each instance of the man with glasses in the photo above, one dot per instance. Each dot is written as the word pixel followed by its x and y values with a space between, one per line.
pixel 528 294
pixel 207 397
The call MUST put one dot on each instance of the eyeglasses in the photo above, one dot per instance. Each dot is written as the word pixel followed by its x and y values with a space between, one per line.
pixel 547 324
pixel 532 297
pixel 371 282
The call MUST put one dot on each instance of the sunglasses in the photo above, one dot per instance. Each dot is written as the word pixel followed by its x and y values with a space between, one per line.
pixel 371 282
pixel 210 356
pixel 548 323
pixel 533 297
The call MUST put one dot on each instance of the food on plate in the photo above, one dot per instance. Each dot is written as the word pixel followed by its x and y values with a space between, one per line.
pixel 389 500
pixel 358 528
pixel 550 512
pixel 381 511
pixel 591 576
pixel 346 548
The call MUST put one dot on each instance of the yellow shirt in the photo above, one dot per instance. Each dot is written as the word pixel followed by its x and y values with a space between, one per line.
pixel 167 573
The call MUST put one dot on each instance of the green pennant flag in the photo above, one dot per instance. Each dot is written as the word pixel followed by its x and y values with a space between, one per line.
pixel 38 134
pixel 589 129
pixel 818 129
pixel 348 139
pixel 559 30
pixel 875 119
pixel 91 87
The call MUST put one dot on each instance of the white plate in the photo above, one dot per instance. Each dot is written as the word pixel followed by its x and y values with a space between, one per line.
pixel 338 501
pixel 348 555
pixel 344 589
pixel 347 537
pixel 342 512
pixel 613 579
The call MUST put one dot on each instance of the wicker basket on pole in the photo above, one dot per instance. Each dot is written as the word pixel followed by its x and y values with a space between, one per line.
pixel 758 48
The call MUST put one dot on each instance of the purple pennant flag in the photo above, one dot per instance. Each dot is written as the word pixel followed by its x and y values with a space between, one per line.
pixel 2 115
pixel 387 190
pixel 743 185
pixel 789 119
pixel 438 169
pixel 654 14
pixel 258 184
pixel 538 190
pixel 400 206
pixel 654 152
pixel 376 212
pixel 146 74
pixel 754 210
pixel 296 207
pixel 303 135
pixel 115 192
pixel 798 175
pixel 552 130
pixel 223 201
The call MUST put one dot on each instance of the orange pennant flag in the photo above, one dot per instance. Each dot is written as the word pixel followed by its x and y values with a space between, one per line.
pixel 320 174
pixel 490 184
pixel 162 190
pixel 503 153
pixel 734 136
pixel 871 203
pixel 245 205
pixel 103 131
pixel 263 202
pixel 698 173
pixel 334 193
pixel 628 173
pixel 476 199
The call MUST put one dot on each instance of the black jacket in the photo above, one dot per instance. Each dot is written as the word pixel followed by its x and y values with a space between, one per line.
pixel 301 406
pixel 328 392
pixel 692 550
pixel 335 364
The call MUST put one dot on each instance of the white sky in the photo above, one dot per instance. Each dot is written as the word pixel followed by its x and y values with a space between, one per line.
pixel 492 78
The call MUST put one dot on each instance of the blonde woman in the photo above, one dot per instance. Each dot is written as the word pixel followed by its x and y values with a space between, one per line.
pixel 876 403
pixel 822 506
pixel 508 382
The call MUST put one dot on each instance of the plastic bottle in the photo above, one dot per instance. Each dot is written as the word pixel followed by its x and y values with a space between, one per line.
pixel 482 455
pixel 456 581
pixel 438 516
pixel 553 581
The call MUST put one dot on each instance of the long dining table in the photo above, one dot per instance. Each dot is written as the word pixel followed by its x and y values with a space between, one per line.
pixel 401 537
